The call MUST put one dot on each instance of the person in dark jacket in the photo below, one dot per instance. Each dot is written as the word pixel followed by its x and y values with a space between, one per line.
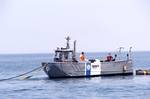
pixel 109 57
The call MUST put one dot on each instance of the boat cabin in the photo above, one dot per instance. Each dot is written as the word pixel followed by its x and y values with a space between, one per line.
pixel 66 54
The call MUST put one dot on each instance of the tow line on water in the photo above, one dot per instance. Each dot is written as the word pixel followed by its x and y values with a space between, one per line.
pixel 24 74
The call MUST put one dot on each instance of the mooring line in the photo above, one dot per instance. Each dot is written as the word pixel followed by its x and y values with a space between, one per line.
pixel 23 73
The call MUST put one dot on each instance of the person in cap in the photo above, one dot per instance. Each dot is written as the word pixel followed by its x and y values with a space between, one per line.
pixel 82 57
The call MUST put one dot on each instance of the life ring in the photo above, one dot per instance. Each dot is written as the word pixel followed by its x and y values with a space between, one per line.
pixel 88 67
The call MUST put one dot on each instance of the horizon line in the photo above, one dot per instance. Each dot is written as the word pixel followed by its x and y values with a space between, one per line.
pixel 76 52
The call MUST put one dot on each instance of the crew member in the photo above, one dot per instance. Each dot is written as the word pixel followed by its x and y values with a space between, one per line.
pixel 109 57
pixel 82 57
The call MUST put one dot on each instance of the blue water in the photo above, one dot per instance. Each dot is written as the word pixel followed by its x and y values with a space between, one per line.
pixel 40 87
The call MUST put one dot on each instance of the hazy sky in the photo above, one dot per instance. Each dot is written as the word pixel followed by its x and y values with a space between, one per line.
pixel 39 26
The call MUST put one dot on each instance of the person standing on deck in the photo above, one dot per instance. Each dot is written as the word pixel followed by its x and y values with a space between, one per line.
pixel 82 57
pixel 109 57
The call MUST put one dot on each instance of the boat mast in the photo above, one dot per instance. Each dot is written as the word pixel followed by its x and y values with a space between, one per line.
pixel 68 46
pixel 74 50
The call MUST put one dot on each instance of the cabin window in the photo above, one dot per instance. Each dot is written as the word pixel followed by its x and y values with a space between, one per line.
pixel 95 66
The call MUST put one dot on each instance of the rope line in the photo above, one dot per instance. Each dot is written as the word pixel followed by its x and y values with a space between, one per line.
pixel 38 68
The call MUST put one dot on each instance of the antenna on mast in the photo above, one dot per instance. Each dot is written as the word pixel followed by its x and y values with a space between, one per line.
pixel 120 48
pixel 130 52
pixel 68 39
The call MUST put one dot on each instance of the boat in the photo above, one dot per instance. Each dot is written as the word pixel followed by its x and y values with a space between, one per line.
pixel 143 72
pixel 66 65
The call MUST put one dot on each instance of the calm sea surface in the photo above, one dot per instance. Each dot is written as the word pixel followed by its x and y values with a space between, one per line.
pixel 40 87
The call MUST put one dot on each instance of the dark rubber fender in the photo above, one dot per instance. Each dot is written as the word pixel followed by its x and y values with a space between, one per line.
pixel 142 72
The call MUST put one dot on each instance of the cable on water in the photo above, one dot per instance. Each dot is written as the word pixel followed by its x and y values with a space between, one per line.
pixel 38 68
